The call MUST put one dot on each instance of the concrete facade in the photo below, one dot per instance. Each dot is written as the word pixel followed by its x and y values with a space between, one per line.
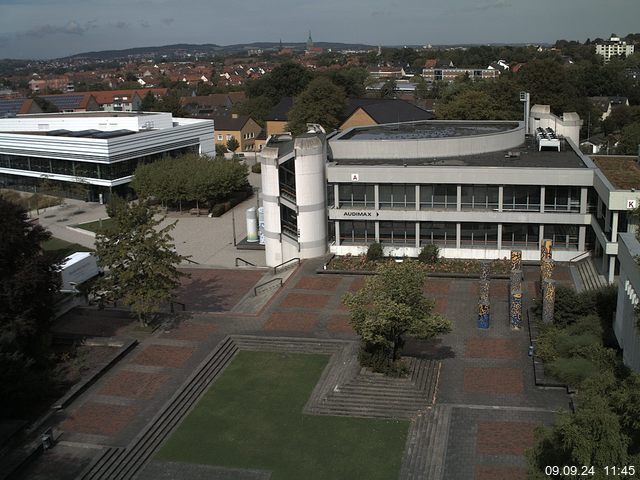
pixel 626 320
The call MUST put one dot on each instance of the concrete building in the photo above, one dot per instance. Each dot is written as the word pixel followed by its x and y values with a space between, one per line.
pixel 614 47
pixel 477 189
pixel 92 153
pixel 626 321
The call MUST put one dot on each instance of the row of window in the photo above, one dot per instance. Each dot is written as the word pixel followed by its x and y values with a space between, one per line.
pixel 444 234
pixel 475 197
pixel 110 171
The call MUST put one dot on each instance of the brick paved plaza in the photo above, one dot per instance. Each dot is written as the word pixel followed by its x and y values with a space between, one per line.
pixel 485 376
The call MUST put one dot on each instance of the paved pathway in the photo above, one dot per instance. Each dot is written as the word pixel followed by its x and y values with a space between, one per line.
pixel 486 403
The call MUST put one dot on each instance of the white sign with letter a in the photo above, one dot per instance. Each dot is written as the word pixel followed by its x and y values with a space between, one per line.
pixel 355 177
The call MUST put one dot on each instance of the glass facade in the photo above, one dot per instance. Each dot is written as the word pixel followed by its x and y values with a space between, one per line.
pixel 75 168
pixel 289 222
pixel 287 178
pixel 357 233
pixel 398 233
pixel 564 237
pixel 562 199
pixel 520 235
pixel 439 196
pixel 397 196
pixel 479 197
pixel 442 234
pixel 521 198
pixel 479 235
pixel 357 195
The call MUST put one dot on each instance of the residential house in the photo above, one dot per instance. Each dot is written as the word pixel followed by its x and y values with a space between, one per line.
pixel 61 83
pixel 607 104
pixel 214 105
pixel 125 100
pixel 614 47
pixel 73 102
pixel 241 127
pixel 10 107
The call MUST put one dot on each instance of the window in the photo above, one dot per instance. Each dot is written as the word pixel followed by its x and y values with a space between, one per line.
pixel 439 196
pixel 397 196
pixel 289 222
pixel 521 198
pixel 564 237
pixel 356 195
pixel 478 234
pixel 479 197
pixel 357 233
pixel 520 235
pixel 562 199
pixel 443 234
pixel 229 137
pixel 331 202
pixel 220 137
pixel 398 233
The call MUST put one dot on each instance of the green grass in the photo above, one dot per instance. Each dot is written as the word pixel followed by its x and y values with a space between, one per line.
pixel 252 418
pixel 63 248
pixel 95 226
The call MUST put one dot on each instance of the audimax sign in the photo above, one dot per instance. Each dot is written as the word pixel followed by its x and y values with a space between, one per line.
pixel 360 214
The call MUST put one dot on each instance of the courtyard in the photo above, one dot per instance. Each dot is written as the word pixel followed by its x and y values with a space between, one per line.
pixel 260 395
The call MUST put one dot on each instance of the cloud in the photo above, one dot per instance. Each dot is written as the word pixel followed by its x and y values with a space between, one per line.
pixel 122 25
pixel 168 21
pixel 483 7
pixel 71 28
pixel 144 24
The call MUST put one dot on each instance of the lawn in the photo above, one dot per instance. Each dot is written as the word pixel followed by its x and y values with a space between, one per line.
pixel 95 226
pixel 252 418
pixel 63 248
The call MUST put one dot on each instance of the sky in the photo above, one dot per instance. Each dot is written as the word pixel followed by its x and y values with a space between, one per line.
pixel 43 29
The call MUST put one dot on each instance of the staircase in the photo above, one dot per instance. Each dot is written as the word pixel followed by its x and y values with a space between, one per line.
pixel 591 279
pixel 427 445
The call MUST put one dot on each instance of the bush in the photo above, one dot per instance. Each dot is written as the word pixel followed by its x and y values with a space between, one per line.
pixel 375 252
pixel 378 361
pixel 572 371
pixel 429 254
pixel 218 209
pixel 115 203
pixel 257 168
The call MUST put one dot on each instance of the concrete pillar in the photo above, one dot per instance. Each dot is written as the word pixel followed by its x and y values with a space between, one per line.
pixel 607 221
pixel 499 236
pixel 614 227
pixel 417 234
pixel 336 195
pixel 376 196
pixel 548 300
pixel 458 197
pixel 485 271
pixel 500 198
pixel 582 238
pixel 337 230
pixel 612 268
pixel 540 235
pixel 542 199
pixel 515 296
pixel 458 232
pixel 377 231
pixel 483 315
pixel 546 249
pixel 546 270
pixel 583 200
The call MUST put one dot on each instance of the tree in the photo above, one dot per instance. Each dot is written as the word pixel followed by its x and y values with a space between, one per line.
pixel 140 261
pixel 630 141
pixel 220 150
pixel 232 144
pixel 286 80
pixel 149 103
pixel 390 306
pixel 321 102
pixel 388 89
pixel 469 105
pixel 28 285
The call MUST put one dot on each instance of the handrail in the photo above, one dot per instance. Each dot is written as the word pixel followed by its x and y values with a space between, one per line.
pixel 191 261
pixel 275 269
pixel 583 254
pixel 277 279
pixel 246 262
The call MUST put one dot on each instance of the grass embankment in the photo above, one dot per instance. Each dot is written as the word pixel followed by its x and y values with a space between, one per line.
pixel 63 248
pixel 252 418
pixel 96 226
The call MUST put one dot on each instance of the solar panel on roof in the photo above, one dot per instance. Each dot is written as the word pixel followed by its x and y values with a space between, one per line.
pixel 68 101
pixel 83 133
pixel 112 134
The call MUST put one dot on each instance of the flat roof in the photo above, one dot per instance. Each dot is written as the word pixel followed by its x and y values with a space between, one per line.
pixel 525 156
pixel 622 171
pixel 99 113
pixel 427 130
pixel 90 133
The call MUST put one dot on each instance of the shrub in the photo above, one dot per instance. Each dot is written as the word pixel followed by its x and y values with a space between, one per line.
pixel 378 361
pixel 218 209
pixel 115 203
pixel 572 371
pixel 256 168
pixel 375 252
pixel 429 254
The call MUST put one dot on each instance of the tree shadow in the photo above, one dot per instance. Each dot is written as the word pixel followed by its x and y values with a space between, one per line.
pixel 432 349
pixel 203 295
